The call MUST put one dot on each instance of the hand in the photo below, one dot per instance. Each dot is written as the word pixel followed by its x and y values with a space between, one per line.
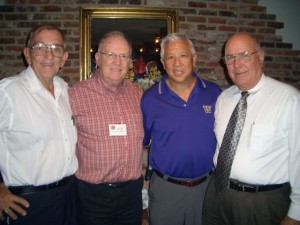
pixel 11 204
pixel 145 219
pixel 289 221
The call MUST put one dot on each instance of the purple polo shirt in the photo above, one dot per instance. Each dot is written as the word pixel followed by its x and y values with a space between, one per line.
pixel 181 133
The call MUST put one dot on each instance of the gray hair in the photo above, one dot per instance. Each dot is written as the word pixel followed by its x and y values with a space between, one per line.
pixel 173 37
pixel 36 30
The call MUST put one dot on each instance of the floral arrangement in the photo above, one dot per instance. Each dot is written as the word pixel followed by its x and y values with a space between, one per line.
pixel 145 81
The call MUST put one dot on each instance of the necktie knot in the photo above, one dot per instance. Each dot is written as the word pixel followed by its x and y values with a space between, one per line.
pixel 245 94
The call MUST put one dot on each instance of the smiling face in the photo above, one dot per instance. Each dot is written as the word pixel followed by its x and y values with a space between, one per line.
pixel 178 60
pixel 45 66
pixel 244 74
pixel 113 59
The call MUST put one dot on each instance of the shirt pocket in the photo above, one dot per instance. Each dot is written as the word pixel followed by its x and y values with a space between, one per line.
pixel 261 139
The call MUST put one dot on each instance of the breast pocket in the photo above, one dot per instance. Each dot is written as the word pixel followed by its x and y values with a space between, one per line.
pixel 261 139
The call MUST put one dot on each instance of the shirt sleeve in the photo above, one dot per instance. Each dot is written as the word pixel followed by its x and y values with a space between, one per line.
pixel 147 131
pixel 5 111
pixel 294 157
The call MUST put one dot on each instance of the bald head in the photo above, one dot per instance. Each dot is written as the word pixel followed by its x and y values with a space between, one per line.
pixel 244 60
pixel 245 38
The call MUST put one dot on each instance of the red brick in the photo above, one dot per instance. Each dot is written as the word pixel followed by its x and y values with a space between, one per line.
pixel 227 28
pixel 207 23
pixel 216 20
pixel 196 19
pixel 256 23
pixel 197 4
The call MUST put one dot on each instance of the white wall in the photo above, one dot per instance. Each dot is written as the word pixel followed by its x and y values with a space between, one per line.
pixel 288 12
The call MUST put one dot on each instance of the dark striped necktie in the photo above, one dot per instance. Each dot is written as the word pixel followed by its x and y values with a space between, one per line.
pixel 229 144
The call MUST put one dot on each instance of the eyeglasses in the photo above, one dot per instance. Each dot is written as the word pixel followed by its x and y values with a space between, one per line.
pixel 40 49
pixel 111 55
pixel 242 57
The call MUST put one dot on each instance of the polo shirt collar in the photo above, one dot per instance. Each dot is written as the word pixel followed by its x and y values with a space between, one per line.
pixel 163 87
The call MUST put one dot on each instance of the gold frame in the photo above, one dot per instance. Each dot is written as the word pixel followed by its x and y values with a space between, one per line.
pixel 89 13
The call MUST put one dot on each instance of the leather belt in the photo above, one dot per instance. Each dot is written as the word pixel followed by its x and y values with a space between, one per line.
pixel 116 185
pixel 122 183
pixel 253 188
pixel 187 183
pixel 29 189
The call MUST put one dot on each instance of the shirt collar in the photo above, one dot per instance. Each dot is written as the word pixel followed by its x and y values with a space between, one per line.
pixel 103 86
pixel 30 79
pixel 163 87
pixel 255 89
pixel 259 85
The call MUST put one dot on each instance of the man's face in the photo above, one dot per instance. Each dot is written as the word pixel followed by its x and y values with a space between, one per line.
pixel 48 64
pixel 114 59
pixel 178 60
pixel 245 72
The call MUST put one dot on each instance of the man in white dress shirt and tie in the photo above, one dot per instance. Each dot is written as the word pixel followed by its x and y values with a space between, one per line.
pixel 263 187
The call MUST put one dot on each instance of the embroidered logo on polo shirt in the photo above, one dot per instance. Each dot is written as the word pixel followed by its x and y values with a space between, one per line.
pixel 207 108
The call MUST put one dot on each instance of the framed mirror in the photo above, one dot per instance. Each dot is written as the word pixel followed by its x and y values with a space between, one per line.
pixel 144 27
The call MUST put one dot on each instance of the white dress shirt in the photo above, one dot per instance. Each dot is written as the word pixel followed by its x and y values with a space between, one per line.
pixel 37 134
pixel 269 148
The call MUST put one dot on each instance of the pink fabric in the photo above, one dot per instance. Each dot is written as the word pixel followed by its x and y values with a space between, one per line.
pixel 104 158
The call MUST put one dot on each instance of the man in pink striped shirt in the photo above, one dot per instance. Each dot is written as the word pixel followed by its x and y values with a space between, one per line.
pixel 107 114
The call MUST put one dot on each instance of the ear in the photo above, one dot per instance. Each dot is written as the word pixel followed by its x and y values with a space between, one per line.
pixel 64 59
pixel 26 53
pixel 162 62
pixel 194 59
pixel 261 56
pixel 97 58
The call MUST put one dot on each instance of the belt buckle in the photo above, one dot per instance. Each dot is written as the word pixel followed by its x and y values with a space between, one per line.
pixel 243 188
pixel 49 186
pixel 188 183
pixel 111 185
pixel 248 188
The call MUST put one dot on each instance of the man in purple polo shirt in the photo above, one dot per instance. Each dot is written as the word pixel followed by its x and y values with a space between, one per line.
pixel 178 116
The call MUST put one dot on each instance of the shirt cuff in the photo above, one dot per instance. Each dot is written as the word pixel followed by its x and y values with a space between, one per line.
pixel 294 211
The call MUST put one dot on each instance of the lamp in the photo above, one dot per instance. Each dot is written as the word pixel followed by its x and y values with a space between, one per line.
pixel 156 39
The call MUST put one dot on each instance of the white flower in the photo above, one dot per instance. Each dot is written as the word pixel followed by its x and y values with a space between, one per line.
pixel 147 80
pixel 145 83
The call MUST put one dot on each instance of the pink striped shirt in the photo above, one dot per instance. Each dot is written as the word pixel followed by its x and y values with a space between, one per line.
pixel 103 158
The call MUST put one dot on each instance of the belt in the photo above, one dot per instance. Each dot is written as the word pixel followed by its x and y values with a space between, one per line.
pixel 187 183
pixel 32 189
pixel 116 185
pixel 253 188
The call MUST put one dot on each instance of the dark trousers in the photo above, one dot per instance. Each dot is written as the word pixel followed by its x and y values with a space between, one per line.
pixel 100 204
pixel 55 206
pixel 243 208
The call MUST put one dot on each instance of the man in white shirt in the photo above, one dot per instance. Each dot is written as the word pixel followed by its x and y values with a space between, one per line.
pixel 264 184
pixel 38 137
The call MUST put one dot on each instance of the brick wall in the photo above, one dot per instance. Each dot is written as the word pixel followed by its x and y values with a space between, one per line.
pixel 207 22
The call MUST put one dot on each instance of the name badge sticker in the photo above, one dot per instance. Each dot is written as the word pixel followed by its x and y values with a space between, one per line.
pixel 117 130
